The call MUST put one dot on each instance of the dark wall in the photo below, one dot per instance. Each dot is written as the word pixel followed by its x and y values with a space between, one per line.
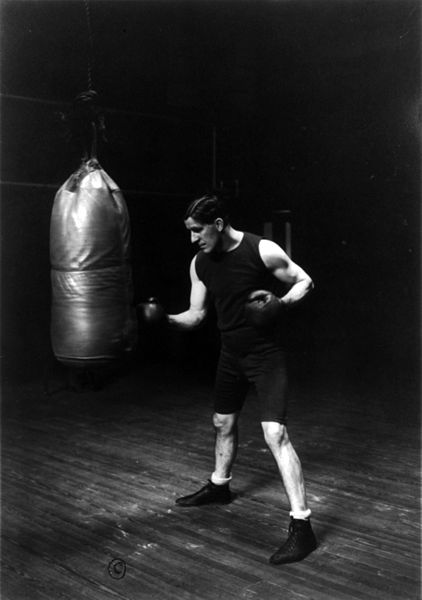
pixel 317 110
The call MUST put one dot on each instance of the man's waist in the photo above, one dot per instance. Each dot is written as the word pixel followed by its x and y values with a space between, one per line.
pixel 245 339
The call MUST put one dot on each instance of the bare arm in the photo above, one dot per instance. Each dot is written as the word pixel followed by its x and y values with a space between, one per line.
pixel 197 310
pixel 286 271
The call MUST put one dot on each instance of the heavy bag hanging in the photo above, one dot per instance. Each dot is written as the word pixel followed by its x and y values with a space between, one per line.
pixel 93 320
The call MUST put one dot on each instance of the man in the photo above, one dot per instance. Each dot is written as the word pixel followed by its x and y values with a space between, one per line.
pixel 238 270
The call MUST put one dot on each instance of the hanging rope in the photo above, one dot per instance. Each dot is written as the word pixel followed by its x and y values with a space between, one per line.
pixel 86 112
pixel 90 58
pixel 84 124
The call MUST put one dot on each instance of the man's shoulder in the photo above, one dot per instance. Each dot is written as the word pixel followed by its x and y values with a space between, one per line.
pixel 252 240
pixel 254 237
pixel 199 260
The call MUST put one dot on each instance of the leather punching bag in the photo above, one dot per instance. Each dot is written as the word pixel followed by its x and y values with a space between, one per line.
pixel 93 320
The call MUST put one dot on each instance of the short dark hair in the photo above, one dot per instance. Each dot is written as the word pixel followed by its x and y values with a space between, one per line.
pixel 207 209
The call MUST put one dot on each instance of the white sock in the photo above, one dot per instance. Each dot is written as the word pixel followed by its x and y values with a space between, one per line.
pixel 220 480
pixel 301 514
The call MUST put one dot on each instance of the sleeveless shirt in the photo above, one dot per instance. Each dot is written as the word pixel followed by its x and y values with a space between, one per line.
pixel 229 278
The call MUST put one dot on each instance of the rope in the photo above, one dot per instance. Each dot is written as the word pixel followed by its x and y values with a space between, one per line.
pixel 86 119
pixel 90 59
pixel 87 122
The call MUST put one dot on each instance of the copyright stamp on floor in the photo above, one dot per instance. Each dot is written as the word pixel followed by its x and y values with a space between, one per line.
pixel 117 568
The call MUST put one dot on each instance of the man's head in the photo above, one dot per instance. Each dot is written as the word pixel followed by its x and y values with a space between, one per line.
pixel 207 209
pixel 207 218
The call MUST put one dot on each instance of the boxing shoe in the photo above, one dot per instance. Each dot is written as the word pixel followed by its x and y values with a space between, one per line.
pixel 300 542
pixel 209 494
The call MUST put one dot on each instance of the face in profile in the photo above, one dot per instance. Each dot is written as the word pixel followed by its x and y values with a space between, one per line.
pixel 206 235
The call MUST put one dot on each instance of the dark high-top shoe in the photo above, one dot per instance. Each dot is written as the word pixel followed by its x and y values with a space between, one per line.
pixel 209 494
pixel 300 542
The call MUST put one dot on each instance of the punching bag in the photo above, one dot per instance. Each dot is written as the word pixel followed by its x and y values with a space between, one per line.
pixel 93 320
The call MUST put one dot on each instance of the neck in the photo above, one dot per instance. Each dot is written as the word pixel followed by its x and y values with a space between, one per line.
pixel 230 239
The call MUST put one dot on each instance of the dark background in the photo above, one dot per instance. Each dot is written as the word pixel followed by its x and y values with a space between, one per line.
pixel 316 109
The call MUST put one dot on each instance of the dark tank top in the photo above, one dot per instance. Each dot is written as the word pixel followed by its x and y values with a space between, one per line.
pixel 229 278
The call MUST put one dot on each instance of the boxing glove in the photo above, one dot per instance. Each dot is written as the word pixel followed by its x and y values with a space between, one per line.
pixel 262 309
pixel 151 312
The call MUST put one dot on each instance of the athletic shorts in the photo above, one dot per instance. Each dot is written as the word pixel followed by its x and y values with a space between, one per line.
pixel 266 370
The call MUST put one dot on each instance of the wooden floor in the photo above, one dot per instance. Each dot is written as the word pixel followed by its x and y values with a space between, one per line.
pixel 92 477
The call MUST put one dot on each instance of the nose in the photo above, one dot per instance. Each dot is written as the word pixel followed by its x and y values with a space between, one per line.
pixel 194 237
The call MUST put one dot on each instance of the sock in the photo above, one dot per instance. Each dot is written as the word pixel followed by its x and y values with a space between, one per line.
pixel 219 480
pixel 301 514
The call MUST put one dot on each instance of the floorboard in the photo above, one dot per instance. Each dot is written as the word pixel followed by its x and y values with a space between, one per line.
pixel 91 477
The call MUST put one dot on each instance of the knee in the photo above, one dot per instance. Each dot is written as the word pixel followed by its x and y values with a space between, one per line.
pixel 224 424
pixel 275 434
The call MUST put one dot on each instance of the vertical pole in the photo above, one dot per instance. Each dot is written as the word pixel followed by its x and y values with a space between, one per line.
pixel 214 157
pixel 268 230
pixel 284 220
pixel 288 237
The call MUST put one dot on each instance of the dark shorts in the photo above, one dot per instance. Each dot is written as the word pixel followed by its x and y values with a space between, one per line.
pixel 266 370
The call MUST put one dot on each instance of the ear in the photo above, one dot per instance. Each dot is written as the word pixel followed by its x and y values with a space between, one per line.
pixel 219 223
